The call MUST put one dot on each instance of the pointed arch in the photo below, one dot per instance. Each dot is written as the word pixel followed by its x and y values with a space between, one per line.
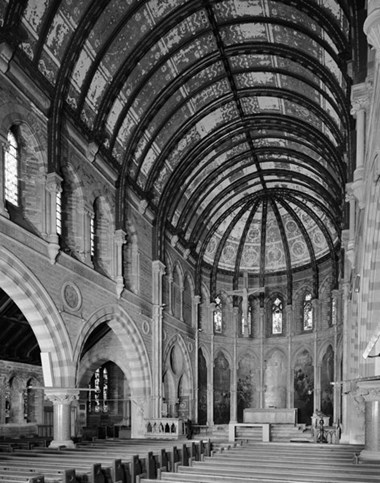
pixel 137 364
pixel 39 309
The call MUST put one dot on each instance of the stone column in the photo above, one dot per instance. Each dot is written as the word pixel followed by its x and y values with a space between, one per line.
pixel 195 312
pixel 289 324
pixel 170 294
pixel 53 186
pixel 158 272
pixel 61 399
pixel 234 368
pixel 119 241
pixel 350 198
pixel 317 367
pixel 262 362
pixel 370 390
pixel 210 376
pixel 359 101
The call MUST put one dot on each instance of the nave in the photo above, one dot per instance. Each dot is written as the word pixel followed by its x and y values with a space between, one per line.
pixel 139 461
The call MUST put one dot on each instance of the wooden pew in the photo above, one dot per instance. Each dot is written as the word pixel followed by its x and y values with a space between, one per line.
pixel 20 478
pixel 61 470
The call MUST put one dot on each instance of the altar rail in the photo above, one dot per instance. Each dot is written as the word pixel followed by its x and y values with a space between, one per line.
pixel 164 428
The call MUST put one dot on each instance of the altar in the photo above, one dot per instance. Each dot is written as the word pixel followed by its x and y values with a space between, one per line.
pixel 270 415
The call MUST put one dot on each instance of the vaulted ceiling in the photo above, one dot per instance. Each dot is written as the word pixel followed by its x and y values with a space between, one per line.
pixel 228 118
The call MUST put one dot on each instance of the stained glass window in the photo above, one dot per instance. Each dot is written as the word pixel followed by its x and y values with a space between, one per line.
pixel 333 311
pixel 307 312
pixel 218 317
pixel 92 236
pixel 98 396
pixel 11 169
pixel 58 207
pixel 277 316
pixel 249 321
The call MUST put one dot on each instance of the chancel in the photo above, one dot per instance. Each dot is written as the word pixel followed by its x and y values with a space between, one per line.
pixel 190 227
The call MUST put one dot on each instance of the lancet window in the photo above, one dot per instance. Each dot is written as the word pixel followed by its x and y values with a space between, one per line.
pixel 11 168
pixel 307 312
pixel 277 312
pixel 98 396
pixel 218 316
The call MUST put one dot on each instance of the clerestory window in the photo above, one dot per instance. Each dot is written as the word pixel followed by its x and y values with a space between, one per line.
pixel 11 168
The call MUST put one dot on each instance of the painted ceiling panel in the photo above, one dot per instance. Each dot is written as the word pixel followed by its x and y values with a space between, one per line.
pixel 221 112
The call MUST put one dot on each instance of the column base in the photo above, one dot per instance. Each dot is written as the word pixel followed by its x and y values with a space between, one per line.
pixel 59 444
pixel 368 455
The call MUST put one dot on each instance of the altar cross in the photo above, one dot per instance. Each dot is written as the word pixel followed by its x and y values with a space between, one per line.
pixel 244 293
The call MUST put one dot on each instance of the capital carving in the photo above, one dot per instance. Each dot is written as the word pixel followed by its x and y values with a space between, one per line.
pixel 61 395
pixel 53 183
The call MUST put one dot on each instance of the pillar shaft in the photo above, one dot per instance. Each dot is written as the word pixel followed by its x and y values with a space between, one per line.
pixel 62 399
pixel 370 391
pixel 158 271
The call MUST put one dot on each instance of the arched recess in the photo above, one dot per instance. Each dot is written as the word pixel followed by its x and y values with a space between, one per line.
pixel 248 381
pixel 205 320
pixel 177 291
pixel 177 364
pixel 222 386
pixel 104 229
pixel 35 303
pixel 73 235
pixel 303 377
pixel 327 364
pixel 275 379
pixel 32 168
pixel 131 357
pixel 203 364
pixel 131 259
pixel 187 302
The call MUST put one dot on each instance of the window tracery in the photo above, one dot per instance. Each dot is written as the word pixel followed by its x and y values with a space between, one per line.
pixel 11 168
pixel 218 316
pixel 307 312
pixel 277 312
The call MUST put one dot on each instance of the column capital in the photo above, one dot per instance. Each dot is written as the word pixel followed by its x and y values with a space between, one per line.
pixel 360 96
pixel 369 389
pixel 119 237
pixel 158 267
pixel 61 395
pixel 53 182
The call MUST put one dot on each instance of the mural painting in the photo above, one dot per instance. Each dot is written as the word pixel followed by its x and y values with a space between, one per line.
pixel 222 378
pixel 304 387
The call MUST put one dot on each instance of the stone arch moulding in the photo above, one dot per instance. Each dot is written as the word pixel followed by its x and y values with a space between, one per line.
pixel 130 339
pixel 38 308
pixel 299 351
pixel 187 368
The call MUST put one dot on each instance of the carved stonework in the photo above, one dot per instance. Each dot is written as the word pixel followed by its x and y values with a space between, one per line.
pixel 61 395
pixel 369 389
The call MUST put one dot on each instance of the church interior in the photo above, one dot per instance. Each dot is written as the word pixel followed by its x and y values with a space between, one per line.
pixel 190 220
